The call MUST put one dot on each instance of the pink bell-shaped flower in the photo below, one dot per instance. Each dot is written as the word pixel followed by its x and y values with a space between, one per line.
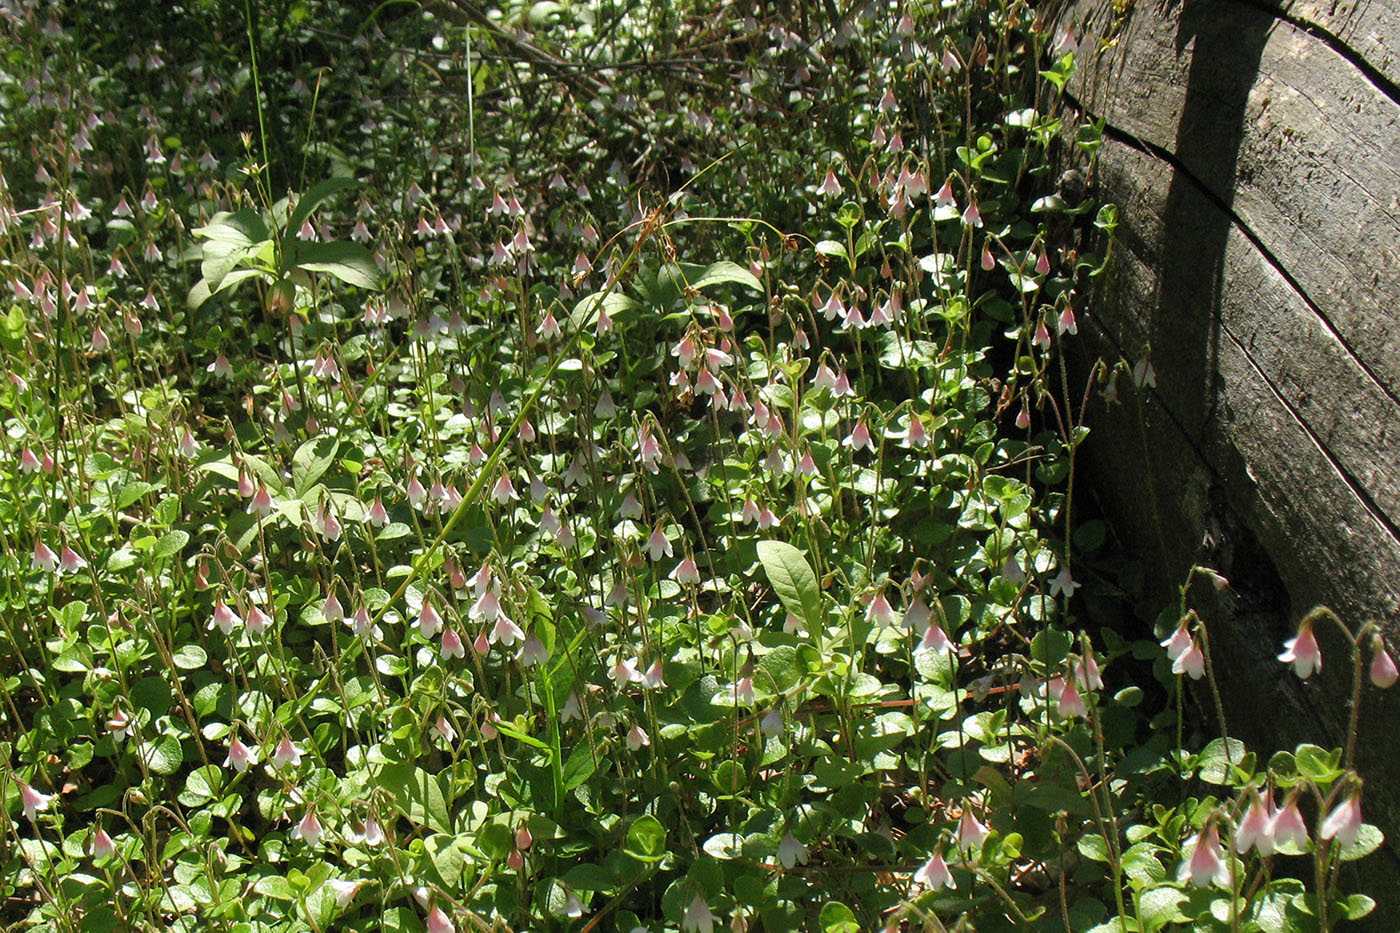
pixel 971 831
pixel 31 801
pixel 1343 823
pixel 1302 652
pixel 439 922
pixel 1383 670
pixel 240 756
pixel 1289 828
pixel 1204 866
pixel 934 874
pixel 1191 662
pixel 309 829
pixel 44 558
pixel 1257 827
pixel 286 754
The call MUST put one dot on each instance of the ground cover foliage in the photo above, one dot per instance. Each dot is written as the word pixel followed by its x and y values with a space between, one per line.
pixel 585 467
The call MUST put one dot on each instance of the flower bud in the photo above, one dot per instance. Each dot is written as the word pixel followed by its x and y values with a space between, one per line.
pixel 1383 671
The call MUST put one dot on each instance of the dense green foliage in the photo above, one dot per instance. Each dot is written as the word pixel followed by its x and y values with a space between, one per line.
pixel 578 466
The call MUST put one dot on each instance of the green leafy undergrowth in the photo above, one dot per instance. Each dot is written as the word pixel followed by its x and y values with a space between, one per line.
pixel 452 487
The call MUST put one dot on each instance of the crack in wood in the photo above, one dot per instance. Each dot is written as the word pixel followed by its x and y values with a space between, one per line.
pixel 1357 489
pixel 1333 41
pixel 1133 141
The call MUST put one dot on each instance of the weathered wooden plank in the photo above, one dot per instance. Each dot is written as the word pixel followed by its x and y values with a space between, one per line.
pixel 1232 475
pixel 1369 27
pixel 1197 311
pixel 1276 124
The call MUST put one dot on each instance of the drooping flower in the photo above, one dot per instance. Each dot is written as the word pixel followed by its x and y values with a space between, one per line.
pixel 1063 584
pixel 573 907
pixel 649 451
pixel 286 754
pixel 1383 671
pixel 31 800
pixel 1086 672
pixel 934 874
pixel 504 490
pixel 1066 323
pixel 1204 866
pixel 262 502
pixel 1343 823
pixel 1067 699
pixel 698 917
pixel 44 558
pixel 936 640
pixel 429 622
pixel 917 434
pixel 625 672
pixel 858 438
pixel 439 922
pixel 102 844
pixel 240 756
pixel 637 738
pixel 344 890
pixel 1177 642
pixel 1303 652
pixel 791 851
pixel 1257 827
pixel 686 571
pixel 532 651
pixel 944 197
pixel 372 834
pixel 1289 829
pixel 71 561
pixel 257 621
pixel 1191 662
pixel 225 618
pixel 971 831
pixel 326 524
pixel 309 829
pixel 659 544
pixel 362 624
pixel 488 726
pixel 1042 336
pixel 331 610
pixel 452 646
pixel 879 612
pixel 506 632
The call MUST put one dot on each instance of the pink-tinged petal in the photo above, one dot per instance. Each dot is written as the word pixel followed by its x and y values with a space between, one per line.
pixel 935 874
pixel 1343 823
pixel 1383 671
pixel 1302 652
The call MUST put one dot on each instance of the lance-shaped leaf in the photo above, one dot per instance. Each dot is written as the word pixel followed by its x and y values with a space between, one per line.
pixel 793 580
pixel 349 262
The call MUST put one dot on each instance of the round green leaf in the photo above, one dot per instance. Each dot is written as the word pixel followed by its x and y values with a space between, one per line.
pixel 646 839
pixel 190 657
pixel 163 756
pixel 836 917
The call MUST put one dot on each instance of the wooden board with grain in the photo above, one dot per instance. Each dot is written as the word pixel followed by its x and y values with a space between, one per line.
pixel 1254 149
